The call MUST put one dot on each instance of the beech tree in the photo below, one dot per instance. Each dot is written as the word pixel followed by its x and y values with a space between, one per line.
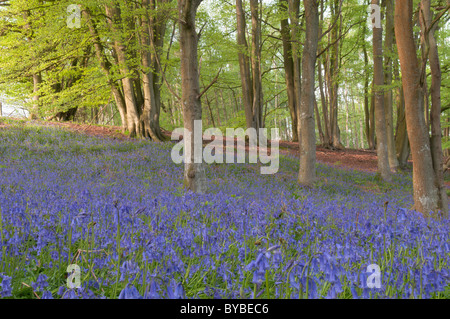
pixel 294 12
pixel 194 173
pixel 401 136
pixel 69 68
pixel 153 27
pixel 333 69
pixel 250 67
pixel 378 80
pixel 307 173
pixel 388 76
pixel 257 105
pixel 288 65
pixel 428 30
pixel 427 196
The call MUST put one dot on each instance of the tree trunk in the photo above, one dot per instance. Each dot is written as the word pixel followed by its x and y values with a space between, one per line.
pixel 426 192
pixel 217 108
pixel 194 173
pixel 256 66
pixel 67 115
pixel 159 23
pixel 435 116
pixel 355 122
pixel 372 116
pixel 294 8
pixel 347 127
pixel 307 172
pixel 223 106
pixel 114 20
pixel 106 67
pixel 401 136
pixel 361 133
pixel 37 80
pixel 367 109
pixel 210 111
pixel 244 65
pixel 334 69
pixel 388 99
pixel 151 112
pixel 326 125
pixel 289 67
pixel 319 123
pixel 380 117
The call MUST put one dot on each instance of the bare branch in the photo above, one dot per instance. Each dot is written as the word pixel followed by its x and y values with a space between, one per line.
pixel 210 84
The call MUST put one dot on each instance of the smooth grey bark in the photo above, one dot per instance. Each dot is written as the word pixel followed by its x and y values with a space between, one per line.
pixel 319 122
pixel 151 41
pixel 327 126
pixel 324 102
pixel 114 20
pixel 289 67
pixel 388 97
pixel 106 67
pixel 369 124
pixel 194 173
pixel 380 117
pixel 401 136
pixel 244 64
pixel 256 66
pixel 307 171
pixel 435 114
pixel 37 80
pixel 334 69
pixel 294 11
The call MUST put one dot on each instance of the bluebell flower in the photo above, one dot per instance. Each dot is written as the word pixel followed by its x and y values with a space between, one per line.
pixel 70 294
pixel 129 292
pixel 152 293
pixel 128 268
pixel 6 288
pixel 354 292
pixel 41 282
pixel 176 292
pixel 47 295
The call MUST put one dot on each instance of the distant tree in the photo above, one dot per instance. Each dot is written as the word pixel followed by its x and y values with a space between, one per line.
pixel 288 66
pixel 250 67
pixel 244 64
pixel 257 106
pixel 388 96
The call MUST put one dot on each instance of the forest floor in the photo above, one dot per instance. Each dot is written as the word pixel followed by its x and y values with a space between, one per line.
pixel 59 180
pixel 358 159
pixel 362 160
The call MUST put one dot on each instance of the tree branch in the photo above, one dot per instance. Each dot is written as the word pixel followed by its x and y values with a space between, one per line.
pixel 210 84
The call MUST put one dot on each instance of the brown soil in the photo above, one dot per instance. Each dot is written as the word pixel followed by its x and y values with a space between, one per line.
pixel 363 160
pixel 91 130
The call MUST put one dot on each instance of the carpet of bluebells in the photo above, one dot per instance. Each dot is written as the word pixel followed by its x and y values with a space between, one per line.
pixel 118 210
